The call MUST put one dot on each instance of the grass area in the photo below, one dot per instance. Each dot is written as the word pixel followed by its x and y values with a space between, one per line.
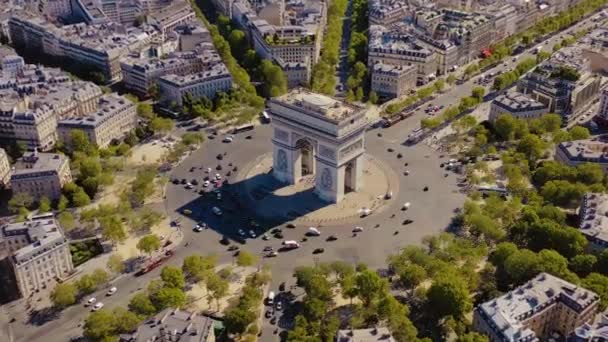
pixel 85 250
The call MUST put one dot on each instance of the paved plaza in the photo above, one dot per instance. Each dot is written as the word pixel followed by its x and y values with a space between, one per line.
pixel 271 199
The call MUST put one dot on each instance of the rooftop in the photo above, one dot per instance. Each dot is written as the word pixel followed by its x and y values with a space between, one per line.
pixel 172 325
pixel 365 335
pixel 318 104
pixel 595 149
pixel 109 106
pixel 593 216
pixel 516 102
pixel 506 313
pixel 34 162
pixel 42 233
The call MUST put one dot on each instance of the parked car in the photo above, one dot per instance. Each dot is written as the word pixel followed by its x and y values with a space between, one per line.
pixel 217 211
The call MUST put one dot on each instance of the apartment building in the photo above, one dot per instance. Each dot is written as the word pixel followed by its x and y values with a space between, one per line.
pixel 168 18
pixel 173 325
pixel 5 169
pixel 564 83
pixel 98 46
pixel 505 17
pixel 297 74
pixel 203 84
pixel 55 8
pixel 400 49
pixel 387 12
pixel 517 105
pixel 536 309
pixel 38 251
pixel 284 32
pixel 139 74
pixel 41 175
pixel 596 331
pixel 602 116
pixel 593 219
pixel 115 117
pixel 390 81
pixel 594 150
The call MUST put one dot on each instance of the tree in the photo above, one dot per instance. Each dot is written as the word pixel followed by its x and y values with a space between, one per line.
pixel 141 304
pixel 20 200
pixel 478 93
pixel 198 267
pixel 449 296
pixel 63 203
pixel 145 110
pixel 237 319
pixel 411 275
pixel 112 229
pixel 173 277
pixel 472 337
pixel 598 284
pixel 245 259
pixel 505 127
pixel 161 125
pixel 66 220
pixel 370 286
pixel 217 287
pixel 583 264
pixel 80 198
pixel 44 205
pixel 100 325
pixel 451 79
pixel 154 91
pixel 579 133
pixel 149 244
pixel 125 321
pixel 531 146
pixel 373 97
pixel 169 297
pixel 551 122
pixel 100 276
pixel 64 295
pixel 116 263
pixel 86 284
pixel 79 141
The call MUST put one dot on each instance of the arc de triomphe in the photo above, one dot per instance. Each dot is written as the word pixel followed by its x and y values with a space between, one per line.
pixel 317 134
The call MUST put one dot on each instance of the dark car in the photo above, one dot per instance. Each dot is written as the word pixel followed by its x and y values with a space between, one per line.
pixel 194 182
pixel 407 221
pixel 218 167
pixel 390 150
pixel 233 248
pixel 175 181
pixel 184 181
pixel 268 249
pixel 225 241
pixel 318 251
pixel 268 314
pixel 235 169
pixel 192 169
pixel 248 137
pixel 290 225
pixel 278 235
pixel 211 137
pixel 331 238
pixel 219 156
pixel 201 192
pixel 276 230
pixel 229 173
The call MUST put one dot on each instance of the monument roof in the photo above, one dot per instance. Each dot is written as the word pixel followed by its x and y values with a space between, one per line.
pixel 319 104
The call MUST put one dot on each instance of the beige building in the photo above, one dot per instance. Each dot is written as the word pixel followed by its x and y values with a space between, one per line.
pixel 390 81
pixel 381 334
pixel 41 175
pixel 535 310
pixel 39 253
pixel 173 325
pixel 168 18
pixel 573 153
pixel 207 84
pixel 5 169
pixel 593 219
pixel 517 105
pixel 115 117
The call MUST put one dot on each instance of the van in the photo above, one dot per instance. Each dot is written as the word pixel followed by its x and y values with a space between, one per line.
pixel 270 298
pixel 314 231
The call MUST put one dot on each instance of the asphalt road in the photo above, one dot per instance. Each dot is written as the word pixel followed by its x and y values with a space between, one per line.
pixel 431 212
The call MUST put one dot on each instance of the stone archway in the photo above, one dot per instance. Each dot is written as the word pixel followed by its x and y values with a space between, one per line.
pixel 306 157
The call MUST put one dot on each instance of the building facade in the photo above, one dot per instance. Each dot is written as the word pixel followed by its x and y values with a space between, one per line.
pixel 115 117
pixel 173 325
pixel 593 219
pixel 391 81
pixel 41 175
pixel 207 84
pixel 38 251
pixel 535 310
pixel 573 153
pixel 517 105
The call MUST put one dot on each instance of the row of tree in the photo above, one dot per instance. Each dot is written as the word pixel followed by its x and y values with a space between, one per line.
pixel 466 103
pixel 358 76
pixel 324 72
pixel 421 94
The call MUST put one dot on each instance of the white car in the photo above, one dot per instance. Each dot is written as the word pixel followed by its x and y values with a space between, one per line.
pixel 252 234
pixel 97 306
pixel 198 228
pixel 241 232
pixel 218 176
pixel 406 206
pixel 365 211
pixel 217 211
pixel 218 196
pixel 112 291
pixel 91 301
pixel 208 170
pixel 279 305
pixel 228 139
pixel 206 184
pixel 358 229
